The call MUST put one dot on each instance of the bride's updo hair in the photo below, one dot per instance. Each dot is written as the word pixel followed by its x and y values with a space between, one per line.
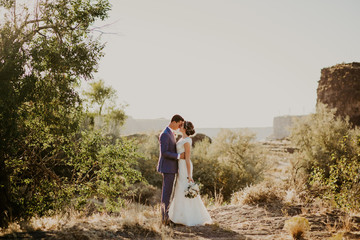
pixel 189 128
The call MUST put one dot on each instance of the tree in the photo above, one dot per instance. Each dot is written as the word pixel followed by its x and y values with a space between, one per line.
pixel 45 50
pixel 99 94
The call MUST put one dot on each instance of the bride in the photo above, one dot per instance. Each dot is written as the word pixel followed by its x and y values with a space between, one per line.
pixel 183 210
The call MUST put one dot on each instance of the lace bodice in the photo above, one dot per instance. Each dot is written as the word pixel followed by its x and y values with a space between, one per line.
pixel 180 144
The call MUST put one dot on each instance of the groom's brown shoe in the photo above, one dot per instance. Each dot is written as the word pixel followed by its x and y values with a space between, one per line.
pixel 168 222
pixel 171 223
pixel 165 222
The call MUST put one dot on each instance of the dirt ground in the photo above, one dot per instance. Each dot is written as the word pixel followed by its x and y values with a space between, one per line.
pixel 265 223
pixel 230 222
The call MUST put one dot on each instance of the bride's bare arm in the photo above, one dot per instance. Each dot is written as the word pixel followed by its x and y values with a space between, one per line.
pixel 187 160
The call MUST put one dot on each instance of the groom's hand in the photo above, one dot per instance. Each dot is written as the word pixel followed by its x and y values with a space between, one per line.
pixel 182 156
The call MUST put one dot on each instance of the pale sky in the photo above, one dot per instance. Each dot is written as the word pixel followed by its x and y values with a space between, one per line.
pixel 225 63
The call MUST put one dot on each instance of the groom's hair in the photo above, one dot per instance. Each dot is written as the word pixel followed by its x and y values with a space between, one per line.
pixel 177 118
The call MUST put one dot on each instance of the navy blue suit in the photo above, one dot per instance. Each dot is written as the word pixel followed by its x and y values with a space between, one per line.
pixel 168 166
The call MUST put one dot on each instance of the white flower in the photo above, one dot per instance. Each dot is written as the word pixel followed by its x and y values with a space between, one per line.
pixel 192 190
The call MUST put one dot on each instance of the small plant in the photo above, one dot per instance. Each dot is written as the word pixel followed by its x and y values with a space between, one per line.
pixel 262 193
pixel 297 227
pixel 338 236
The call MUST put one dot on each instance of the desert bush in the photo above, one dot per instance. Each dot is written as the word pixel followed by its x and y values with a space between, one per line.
pixel 85 166
pixel 101 169
pixel 342 183
pixel 317 136
pixel 144 193
pixel 148 147
pixel 232 161
pixel 297 227
pixel 328 156
pixel 263 193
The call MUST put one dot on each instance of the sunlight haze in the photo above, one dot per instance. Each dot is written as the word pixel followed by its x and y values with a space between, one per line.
pixel 225 63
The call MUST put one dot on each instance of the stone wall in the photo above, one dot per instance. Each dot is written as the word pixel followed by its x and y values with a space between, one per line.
pixel 282 126
pixel 339 87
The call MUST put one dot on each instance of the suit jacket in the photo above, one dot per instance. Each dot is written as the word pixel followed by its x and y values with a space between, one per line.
pixel 168 156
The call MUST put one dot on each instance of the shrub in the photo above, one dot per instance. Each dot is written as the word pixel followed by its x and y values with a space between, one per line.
pixel 101 169
pixel 342 183
pixel 317 136
pixel 144 193
pixel 148 147
pixel 260 194
pixel 232 161
pixel 228 164
pixel 297 227
pixel 329 155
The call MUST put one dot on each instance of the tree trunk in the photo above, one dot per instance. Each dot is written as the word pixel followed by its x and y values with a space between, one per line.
pixel 101 106
pixel 5 209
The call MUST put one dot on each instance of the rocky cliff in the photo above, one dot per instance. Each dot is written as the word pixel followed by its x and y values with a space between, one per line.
pixel 339 87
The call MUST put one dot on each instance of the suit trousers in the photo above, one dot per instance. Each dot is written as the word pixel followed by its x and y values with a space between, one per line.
pixel 167 188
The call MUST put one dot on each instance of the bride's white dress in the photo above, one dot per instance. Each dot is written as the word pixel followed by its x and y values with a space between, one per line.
pixel 182 210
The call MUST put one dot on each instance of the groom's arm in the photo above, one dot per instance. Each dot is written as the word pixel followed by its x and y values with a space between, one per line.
pixel 164 148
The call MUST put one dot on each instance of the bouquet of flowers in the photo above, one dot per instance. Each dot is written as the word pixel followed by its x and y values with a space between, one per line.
pixel 192 190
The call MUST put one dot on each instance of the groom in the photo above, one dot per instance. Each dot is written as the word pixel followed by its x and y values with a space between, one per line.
pixel 168 164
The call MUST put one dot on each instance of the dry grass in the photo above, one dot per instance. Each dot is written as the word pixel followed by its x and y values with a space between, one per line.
pixel 297 227
pixel 346 222
pixel 338 236
pixel 133 221
pixel 263 193
pixel 214 202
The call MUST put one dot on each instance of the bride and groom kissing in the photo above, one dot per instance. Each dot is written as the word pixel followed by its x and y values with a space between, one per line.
pixel 174 163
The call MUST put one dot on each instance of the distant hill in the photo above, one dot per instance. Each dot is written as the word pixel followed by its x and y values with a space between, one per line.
pixel 261 132
pixel 133 126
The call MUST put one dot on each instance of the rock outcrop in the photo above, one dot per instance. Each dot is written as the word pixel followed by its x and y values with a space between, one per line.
pixel 339 87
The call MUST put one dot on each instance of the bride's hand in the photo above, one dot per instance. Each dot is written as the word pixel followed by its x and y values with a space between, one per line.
pixel 190 179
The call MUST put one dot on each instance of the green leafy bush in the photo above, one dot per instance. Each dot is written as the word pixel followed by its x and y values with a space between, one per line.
pixel 149 149
pixel 228 164
pixel 342 183
pixel 329 156
pixel 101 169
pixel 317 136
pixel 46 49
